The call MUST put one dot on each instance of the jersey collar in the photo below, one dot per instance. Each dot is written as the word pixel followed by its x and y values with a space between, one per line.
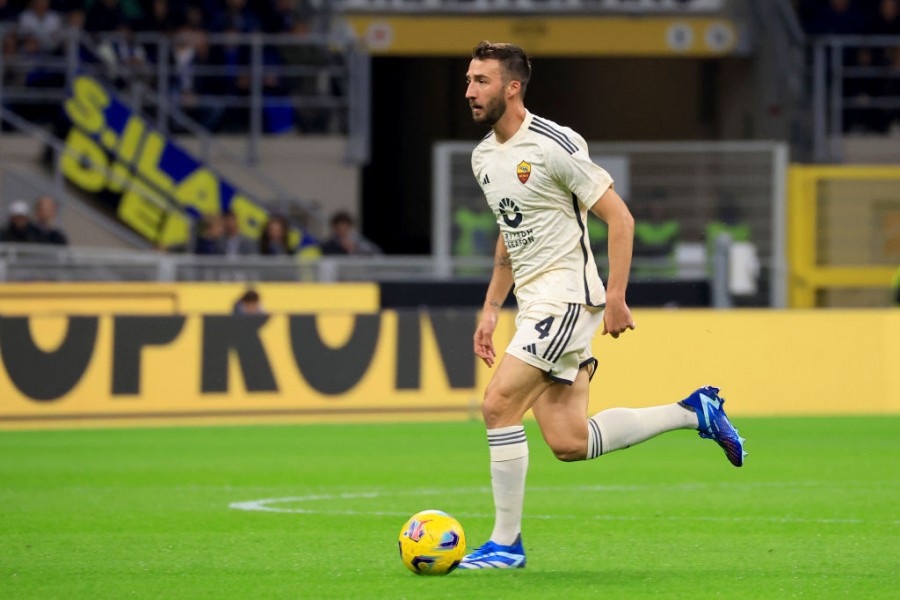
pixel 523 127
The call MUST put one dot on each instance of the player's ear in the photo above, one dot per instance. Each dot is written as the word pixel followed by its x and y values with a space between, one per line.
pixel 514 87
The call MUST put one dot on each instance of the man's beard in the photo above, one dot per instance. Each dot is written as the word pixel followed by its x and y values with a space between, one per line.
pixel 493 112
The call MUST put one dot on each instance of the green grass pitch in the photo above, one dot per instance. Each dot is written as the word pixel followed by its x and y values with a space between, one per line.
pixel 147 513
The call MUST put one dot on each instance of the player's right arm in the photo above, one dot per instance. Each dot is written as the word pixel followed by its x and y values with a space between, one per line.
pixel 498 290
pixel 612 209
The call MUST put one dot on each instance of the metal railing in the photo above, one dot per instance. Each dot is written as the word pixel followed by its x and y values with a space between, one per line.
pixel 43 263
pixel 340 89
pixel 38 262
pixel 199 82
pixel 856 88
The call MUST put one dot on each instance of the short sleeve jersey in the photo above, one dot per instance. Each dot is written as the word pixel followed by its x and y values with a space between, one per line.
pixel 540 184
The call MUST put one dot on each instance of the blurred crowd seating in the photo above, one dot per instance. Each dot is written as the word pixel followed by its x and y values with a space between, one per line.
pixel 206 53
pixel 871 71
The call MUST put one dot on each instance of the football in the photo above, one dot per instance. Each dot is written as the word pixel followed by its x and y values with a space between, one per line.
pixel 432 543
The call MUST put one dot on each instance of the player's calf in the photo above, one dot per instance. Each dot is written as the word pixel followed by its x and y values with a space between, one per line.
pixel 570 450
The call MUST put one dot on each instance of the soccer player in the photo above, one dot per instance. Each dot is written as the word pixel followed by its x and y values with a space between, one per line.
pixel 539 180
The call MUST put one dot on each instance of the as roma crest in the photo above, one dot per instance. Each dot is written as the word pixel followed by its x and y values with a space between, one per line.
pixel 523 170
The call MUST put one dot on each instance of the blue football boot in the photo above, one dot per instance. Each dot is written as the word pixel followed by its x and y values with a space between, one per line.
pixel 494 556
pixel 714 423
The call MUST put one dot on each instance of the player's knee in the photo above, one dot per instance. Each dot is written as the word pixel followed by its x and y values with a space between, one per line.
pixel 569 451
pixel 493 413
pixel 497 410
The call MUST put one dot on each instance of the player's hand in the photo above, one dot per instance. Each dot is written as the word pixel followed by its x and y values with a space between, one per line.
pixel 484 338
pixel 617 318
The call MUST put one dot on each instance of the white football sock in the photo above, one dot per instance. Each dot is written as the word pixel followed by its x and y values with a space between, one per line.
pixel 619 428
pixel 509 464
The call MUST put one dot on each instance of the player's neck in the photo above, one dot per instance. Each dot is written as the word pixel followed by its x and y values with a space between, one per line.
pixel 509 123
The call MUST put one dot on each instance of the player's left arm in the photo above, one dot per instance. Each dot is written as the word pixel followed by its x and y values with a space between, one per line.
pixel 613 211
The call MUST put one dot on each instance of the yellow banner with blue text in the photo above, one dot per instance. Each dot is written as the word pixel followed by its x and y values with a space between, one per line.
pixel 156 187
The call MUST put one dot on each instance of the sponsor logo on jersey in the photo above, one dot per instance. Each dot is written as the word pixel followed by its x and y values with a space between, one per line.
pixel 510 213
pixel 523 170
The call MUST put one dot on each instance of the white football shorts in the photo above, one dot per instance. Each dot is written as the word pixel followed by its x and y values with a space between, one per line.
pixel 556 337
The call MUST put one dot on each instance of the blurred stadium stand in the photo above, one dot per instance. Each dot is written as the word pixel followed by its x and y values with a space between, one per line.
pixel 314 106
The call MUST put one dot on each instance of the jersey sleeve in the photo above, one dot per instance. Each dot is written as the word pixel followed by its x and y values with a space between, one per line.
pixel 579 174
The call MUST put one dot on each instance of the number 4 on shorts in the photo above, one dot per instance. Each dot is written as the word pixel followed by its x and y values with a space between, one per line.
pixel 544 327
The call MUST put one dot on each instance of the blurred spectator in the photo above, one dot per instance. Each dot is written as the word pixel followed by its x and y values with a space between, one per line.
pixel 836 17
pixel 27 52
pixel 308 119
pixel 64 7
pixel 887 19
pixel 231 58
pixel 125 60
pixel 28 59
pixel 248 304
pixel 161 16
pixel 236 16
pixel 346 240
pixel 209 236
pixel 7 10
pixel 194 16
pixel 275 237
pixel 288 16
pixel 42 23
pixel 190 55
pixel 75 19
pixel 19 228
pixel 45 222
pixel 104 15
pixel 235 243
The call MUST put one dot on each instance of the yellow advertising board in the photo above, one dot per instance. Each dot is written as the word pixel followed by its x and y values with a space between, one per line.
pixel 182 298
pixel 541 35
pixel 115 369
pixel 767 362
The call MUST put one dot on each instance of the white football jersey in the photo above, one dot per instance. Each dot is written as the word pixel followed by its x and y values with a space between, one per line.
pixel 540 185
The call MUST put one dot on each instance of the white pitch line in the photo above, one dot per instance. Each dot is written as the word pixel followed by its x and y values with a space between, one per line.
pixel 266 505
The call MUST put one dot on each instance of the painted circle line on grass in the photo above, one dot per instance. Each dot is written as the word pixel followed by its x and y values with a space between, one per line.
pixel 272 504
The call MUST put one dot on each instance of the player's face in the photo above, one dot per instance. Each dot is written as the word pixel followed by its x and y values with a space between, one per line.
pixel 486 91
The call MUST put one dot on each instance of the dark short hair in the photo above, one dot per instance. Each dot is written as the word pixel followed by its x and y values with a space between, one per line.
pixel 250 296
pixel 516 64
pixel 341 217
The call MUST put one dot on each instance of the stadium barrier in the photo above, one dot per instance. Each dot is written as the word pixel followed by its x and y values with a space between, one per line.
pixel 844 226
pixel 160 366
pixel 151 298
